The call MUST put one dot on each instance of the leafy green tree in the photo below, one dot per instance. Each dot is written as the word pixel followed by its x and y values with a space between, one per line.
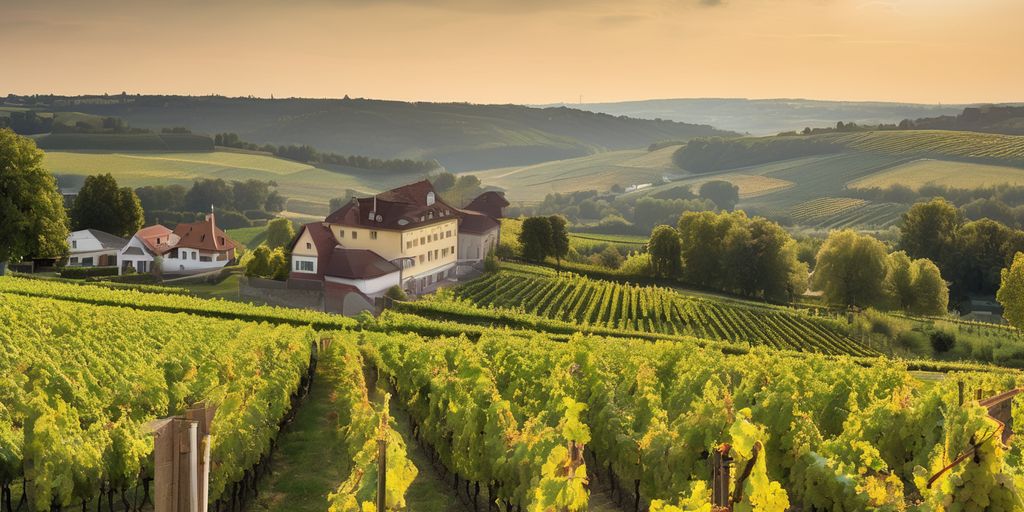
pixel 724 194
pixel 610 257
pixel 250 194
pixel 208 192
pixel 1011 291
pixel 162 197
pixel 279 232
pixel 396 293
pixel 32 209
pixel 259 264
pixel 535 238
pixel 443 182
pixel 899 280
pixel 666 252
pixel 102 205
pixel 929 230
pixel 278 265
pixel 702 235
pixel 851 269
pixel 931 295
pixel 983 248
pixel 559 238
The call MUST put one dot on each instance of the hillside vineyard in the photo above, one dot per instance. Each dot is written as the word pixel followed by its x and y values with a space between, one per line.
pixel 524 420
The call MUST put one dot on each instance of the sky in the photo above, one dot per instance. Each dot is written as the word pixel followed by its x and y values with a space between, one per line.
pixel 519 51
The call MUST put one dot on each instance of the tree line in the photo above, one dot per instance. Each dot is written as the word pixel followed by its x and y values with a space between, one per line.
pixel 308 154
pixel 238 203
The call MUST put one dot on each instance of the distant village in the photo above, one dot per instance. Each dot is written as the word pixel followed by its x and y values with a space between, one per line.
pixel 408 237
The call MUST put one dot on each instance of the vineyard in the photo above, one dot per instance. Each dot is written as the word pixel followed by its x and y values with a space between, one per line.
pixel 843 212
pixel 590 302
pixel 967 145
pixel 516 419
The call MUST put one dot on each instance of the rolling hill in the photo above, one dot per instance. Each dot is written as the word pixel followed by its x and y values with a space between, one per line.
pixel 307 188
pixel 770 116
pixel 459 135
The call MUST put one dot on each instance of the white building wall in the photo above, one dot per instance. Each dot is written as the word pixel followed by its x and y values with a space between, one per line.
pixel 370 287
pixel 124 259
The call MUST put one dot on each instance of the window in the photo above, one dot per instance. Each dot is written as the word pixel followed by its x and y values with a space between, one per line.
pixel 309 245
pixel 448 234
pixel 173 254
pixel 341 233
pixel 430 198
pixel 444 252
pixel 304 266
pixel 453 249
pixel 355 234
pixel 423 240
pixel 421 258
pixel 373 235
pixel 205 258
pixel 435 253
pixel 194 253
pixel 74 244
pixel 430 256
pixel 408 245
pixel 73 261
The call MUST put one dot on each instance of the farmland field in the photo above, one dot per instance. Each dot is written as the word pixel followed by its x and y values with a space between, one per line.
pixel 595 172
pixel 311 187
pixel 945 173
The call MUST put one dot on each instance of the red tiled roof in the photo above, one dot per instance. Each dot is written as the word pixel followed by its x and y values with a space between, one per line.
pixel 475 222
pixel 489 203
pixel 323 242
pixel 357 264
pixel 400 208
pixel 150 234
pixel 203 236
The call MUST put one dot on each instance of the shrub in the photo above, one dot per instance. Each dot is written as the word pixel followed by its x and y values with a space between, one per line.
pixel 231 220
pixel 491 263
pixel 85 272
pixel 943 341
pixel 258 215
pixel 396 293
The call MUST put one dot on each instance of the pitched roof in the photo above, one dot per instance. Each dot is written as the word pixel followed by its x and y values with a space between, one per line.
pixel 476 222
pixel 322 237
pixel 203 236
pixel 400 208
pixel 357 264
pixel 489 203
pixel 150 234
pixel 108 241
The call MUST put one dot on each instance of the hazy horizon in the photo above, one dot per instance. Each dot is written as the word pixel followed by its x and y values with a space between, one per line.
pixel 533 52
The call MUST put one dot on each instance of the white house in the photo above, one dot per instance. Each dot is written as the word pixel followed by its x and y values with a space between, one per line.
pixel 188 249
pixel 93 248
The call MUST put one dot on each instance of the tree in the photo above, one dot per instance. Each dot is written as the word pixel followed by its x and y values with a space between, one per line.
pixel 1011 291
pixel 929 230
pixel 851 268
pixel 337 202
pixel 666 251
pixel 724 194
pixel 983 248
pixel 931 295
pixel 278 265
pixel 259 264
pixel 466 188
pixel 161 197
pixel 559 238
pixel 206 193
pixel 443 182
pixel 701 235
pixel 250 194
pixel 610 257
pixel 102 205
pixel 31 206
pixel 899 280
pixel 535 238
pixel 279 232
pixel 942 341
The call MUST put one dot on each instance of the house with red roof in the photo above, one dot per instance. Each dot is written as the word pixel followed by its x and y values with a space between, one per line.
pixel 189 248
pixel 408 236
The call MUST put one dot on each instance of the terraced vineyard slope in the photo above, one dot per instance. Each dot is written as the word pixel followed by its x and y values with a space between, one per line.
pixel 592 302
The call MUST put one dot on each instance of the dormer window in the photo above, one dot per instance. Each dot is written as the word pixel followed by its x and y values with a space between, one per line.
pixel 430 198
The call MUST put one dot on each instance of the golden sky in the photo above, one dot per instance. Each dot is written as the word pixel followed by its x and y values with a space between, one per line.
pixel 520 51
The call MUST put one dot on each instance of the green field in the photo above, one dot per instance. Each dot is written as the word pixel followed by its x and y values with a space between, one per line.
pixel 310 187
pixel 942 172
pixel 594 172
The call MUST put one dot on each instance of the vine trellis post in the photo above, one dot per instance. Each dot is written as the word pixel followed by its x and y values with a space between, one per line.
pixel 181 453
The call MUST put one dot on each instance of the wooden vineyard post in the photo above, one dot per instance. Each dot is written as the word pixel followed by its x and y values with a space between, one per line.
pixel 720 462
pixel 382 473
pixel 181 454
